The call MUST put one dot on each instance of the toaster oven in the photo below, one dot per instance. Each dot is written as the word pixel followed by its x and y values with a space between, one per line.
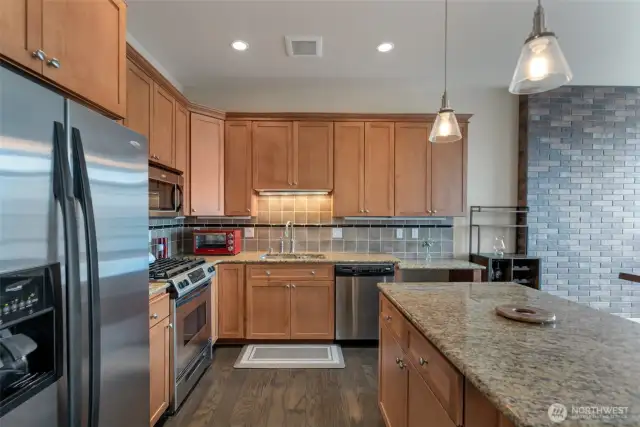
pixel 217 242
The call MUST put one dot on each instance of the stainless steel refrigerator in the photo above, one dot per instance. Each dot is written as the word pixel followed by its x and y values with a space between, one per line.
pixel 73 191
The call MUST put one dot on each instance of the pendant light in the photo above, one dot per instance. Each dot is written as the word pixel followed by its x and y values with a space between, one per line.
pixel 542 65
pixel 445 128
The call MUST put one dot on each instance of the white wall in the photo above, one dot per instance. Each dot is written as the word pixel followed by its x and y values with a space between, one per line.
pixel 153 61
pixel 492 165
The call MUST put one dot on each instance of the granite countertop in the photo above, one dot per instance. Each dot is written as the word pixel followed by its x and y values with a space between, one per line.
pixel 156 288
pixel 587 358
pixel 331 258
pixel 440 264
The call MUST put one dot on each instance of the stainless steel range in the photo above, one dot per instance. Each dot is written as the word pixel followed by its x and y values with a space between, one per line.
pixel 190 290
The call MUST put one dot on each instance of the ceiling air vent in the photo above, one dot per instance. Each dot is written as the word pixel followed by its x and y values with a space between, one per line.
pixel 303 46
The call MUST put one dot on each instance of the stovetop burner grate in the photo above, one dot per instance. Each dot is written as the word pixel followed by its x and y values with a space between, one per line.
pixel 164 269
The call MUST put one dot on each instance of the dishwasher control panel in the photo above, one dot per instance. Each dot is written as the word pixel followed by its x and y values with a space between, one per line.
pixel 365 270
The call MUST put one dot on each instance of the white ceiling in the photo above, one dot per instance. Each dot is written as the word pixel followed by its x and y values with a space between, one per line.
pixel 601 39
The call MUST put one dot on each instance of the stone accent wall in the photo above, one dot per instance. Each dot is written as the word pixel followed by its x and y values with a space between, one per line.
pixel 582 159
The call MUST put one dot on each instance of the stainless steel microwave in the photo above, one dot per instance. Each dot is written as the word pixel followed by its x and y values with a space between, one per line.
pixel 166 193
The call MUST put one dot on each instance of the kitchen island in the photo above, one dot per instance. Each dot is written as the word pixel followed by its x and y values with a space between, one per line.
pixel 588 359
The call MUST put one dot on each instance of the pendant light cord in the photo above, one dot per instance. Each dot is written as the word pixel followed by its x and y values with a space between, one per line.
pixel 446 20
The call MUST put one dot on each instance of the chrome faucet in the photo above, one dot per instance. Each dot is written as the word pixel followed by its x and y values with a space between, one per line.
pixel 291 238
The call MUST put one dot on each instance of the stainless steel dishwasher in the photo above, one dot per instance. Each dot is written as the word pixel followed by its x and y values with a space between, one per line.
pixel 357 299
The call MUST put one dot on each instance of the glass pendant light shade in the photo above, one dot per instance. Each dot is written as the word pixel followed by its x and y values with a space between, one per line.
pixel 445 128
pixel 542 65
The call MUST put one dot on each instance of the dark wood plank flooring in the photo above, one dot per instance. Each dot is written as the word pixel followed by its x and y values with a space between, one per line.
pixel 228 397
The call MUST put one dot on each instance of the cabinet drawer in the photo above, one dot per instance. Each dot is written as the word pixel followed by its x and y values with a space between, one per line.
pixel 158 309
pixel 443 378
pixel 290 272
pixel 395 321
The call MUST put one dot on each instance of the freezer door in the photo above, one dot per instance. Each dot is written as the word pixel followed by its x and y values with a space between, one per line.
pixel 31 226
pixel 114 161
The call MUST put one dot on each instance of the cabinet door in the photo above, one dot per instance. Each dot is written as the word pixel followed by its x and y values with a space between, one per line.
pixel 312 307
pixel 348 163
pixel 207 165
pixel 182 152
pixel 423 408
pixel 239 199
pixel 313 155
pixel 392 382
pixel 268 307
pixel 449 177
pixel 272 155
pixel 139 101
pixel 162 142
pixel 230 300
pixel 21 23
pixel 88 39
pixel 159 369
pixel 378 169
pixel 412 169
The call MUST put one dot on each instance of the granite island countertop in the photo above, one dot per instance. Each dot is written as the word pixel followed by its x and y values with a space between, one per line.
pixel 439 264
pixel 587 358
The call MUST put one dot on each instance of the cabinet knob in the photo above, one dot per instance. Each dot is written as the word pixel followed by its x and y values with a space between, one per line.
pixel 387 318
pixel 366 210
pixel 286 286
pixel 313 272
pixel 422 361
pixel 361 210
pixel 154 316
pixel 54 62
pixel 268 273
pixel 170 326
pixel 39 54
pixel 193 210
pixel 429 212
pixel 397 360
pixel 435 212
pixel 401 365
pixel 295 182
pixel 248 210
pixel 293 286
pixel 163 176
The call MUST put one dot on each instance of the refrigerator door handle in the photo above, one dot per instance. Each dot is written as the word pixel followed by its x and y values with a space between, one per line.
pixel 63 193
pixel 82 193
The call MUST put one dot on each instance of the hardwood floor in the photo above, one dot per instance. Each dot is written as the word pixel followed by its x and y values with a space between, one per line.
pixel 228 397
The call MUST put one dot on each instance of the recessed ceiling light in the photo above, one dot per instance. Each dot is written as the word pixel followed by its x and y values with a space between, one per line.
pixel 385 47
pixel 240 45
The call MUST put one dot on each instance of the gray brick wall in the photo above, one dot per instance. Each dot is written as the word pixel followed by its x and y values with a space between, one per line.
pixel 583 189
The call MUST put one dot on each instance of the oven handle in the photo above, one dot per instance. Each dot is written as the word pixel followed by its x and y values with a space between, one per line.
pixel 193 294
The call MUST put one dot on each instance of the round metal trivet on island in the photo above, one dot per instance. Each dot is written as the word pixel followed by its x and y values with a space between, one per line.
pixel 526 314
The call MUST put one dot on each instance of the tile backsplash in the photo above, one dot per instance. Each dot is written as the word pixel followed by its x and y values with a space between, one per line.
pixel 314 228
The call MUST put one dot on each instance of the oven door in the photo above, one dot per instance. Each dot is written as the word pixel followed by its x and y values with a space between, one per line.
pixel 193 326
pixel 165 193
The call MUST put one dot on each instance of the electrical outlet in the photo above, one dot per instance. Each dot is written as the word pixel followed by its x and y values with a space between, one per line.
pixel 414 233
pixel 336 233
pixel 249 232
pixel 399 233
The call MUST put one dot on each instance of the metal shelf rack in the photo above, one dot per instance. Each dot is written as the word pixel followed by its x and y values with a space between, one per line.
pixel 521 224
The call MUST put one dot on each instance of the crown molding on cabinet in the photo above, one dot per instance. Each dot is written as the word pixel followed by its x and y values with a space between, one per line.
pixel 207 111
pixel 341 117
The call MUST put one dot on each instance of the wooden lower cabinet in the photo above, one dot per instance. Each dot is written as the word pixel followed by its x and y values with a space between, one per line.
pixel 230 295
pixel 312 310
pixel 159 339
pixel 423 408
pixel 479 412
pixel 392 381
pixel 268 310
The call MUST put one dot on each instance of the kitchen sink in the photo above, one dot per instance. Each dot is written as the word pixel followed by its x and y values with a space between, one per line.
pixel 300 256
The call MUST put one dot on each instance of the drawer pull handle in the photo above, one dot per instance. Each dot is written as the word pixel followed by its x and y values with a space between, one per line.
pixel 154 316
pixel 422 361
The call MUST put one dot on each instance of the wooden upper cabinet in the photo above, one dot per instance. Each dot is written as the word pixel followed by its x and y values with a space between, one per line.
pixel 392 381
pixel 239 198
pixel 230 281
pixel 378 169
pixel 312 308
pixel 412 169
pixel 313 155
pixel 207 165
pixel 21 23
pixel 162 142
pixel 182 157
pixel 85 44
pixel 272 155
pixel 139 101
pixel 268 308
pixel 348 163
pixel 449 177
